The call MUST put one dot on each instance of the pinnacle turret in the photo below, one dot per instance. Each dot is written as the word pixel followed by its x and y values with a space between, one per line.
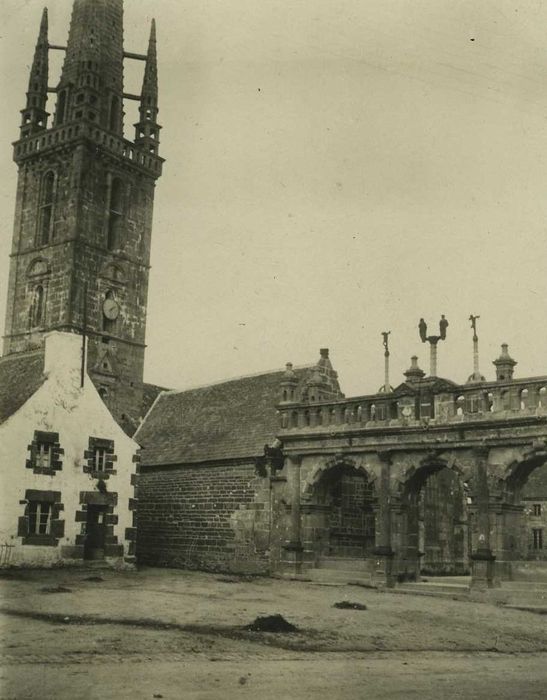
pixel 147 129
pixel 149 93
pixel 89 98
pixel 34 114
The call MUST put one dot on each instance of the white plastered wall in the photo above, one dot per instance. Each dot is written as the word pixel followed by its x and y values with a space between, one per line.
pixel 61 406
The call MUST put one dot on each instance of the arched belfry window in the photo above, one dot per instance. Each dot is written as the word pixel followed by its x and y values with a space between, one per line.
pixel 45 217
pixel 115 211
pixel 61 108
pixel 36 313
pixel 114 113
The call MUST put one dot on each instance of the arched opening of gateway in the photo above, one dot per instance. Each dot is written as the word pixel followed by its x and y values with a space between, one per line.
pixel 521 526
pixel 436 539
pixel 534 501
pixel 347 497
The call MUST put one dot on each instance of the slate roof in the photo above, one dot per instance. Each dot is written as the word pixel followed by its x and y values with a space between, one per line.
pixel 234 419
pixel 150 392
pixel 21 374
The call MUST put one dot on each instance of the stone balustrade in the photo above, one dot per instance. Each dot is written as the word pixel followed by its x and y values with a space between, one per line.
pixel 60 135
pixel 472 402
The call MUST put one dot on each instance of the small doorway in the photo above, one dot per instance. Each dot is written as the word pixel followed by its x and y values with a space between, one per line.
pixel 95 532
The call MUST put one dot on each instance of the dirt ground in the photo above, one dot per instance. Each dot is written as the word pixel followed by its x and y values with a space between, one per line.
pixel 177 634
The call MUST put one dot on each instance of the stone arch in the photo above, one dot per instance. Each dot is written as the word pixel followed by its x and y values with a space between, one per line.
pixel 339 508
pixel 326 465
pixel 519 469
pixel 38 267
pixel 415 476
pixel 434 497
pixel 113 272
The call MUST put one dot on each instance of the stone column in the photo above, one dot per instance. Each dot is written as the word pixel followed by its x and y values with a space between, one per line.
pixel 387 385
pixel 382 554
pixel 412 549
pixel 293 549
pixel 482 559
pixel 433 357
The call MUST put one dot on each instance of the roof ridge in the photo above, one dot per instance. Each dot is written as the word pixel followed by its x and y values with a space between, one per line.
pixel 23 354
pixel 233 379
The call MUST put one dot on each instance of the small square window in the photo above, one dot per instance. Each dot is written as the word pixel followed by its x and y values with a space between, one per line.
pixel 100 458
pixel 43 455
pixel 537 509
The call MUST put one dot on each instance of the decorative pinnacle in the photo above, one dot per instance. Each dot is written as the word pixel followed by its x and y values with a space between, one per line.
pixel 476 376
pixel 39 71
pixel 150 81
pixel 43 26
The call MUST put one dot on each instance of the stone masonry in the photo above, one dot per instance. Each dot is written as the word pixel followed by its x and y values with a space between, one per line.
pixel 83 217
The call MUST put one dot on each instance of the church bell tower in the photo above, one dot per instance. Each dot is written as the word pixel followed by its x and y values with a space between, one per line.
pixel 83 217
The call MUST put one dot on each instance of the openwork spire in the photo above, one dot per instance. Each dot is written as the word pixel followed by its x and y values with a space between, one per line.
pixel 91 84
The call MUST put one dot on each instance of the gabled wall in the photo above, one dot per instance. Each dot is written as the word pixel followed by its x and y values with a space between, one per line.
pixel 75 414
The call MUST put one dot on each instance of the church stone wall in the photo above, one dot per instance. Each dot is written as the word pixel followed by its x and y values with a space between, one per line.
pixel 215 518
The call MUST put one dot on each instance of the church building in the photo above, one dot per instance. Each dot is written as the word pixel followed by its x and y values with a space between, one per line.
pixel 83 216
pixel 280 473
pixel 277 473
pixel 77 299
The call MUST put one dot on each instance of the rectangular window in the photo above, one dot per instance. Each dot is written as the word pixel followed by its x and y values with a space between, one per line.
pixel 473 404
pixel 43 455
pixel 538 538
pixel 381 412
pixel 99 459
pixel 425 409
pixel 537 508
pixel 39 515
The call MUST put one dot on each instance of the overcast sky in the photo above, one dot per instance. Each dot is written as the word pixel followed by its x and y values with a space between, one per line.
pixel 335 168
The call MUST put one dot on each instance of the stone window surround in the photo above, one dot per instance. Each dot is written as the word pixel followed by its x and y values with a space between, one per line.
pixel 51 441
pixel 57 525
pixel 90 455
pixel 110 501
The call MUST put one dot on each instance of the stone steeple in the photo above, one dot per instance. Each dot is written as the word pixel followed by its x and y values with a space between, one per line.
pixel 91 84
pixel 83 218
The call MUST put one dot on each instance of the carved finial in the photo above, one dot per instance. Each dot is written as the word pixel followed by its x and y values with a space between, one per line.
pixel 473 320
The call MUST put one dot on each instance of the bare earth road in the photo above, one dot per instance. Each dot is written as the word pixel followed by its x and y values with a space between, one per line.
pixel 176 634
pixel 401 675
